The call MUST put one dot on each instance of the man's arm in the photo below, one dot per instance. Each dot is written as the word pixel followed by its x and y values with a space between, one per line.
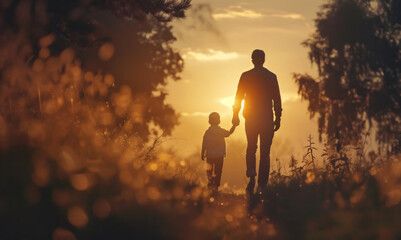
pixel 277 104
pixel 238 101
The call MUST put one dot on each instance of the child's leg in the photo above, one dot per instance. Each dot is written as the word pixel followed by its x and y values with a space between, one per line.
pixel 218 168
pixel 209 172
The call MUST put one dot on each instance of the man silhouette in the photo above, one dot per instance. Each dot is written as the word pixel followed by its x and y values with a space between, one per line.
pixel 260 91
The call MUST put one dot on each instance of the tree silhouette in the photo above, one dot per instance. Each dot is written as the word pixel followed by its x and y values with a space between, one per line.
pixel 134 38
pixel 356 47
pixel 74 19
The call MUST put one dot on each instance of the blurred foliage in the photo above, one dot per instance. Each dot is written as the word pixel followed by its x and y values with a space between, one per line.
pixel 131 40
pixel 340 197
pixel 356 47
pixel 75 149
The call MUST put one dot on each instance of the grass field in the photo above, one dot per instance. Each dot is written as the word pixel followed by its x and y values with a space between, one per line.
pixel 358 202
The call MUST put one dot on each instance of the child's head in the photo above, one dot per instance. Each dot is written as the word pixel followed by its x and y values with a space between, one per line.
pixel 214 118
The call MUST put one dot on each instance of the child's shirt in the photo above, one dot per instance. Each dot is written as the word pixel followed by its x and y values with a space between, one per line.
pixel 214 143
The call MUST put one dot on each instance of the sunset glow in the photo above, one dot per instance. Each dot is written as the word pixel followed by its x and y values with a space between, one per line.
pixel 216 54
pixel 200 119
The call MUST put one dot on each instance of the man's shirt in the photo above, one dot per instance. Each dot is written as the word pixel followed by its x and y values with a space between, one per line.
pixel 259 88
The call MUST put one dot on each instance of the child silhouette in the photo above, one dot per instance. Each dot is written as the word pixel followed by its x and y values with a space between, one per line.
pixel 214 149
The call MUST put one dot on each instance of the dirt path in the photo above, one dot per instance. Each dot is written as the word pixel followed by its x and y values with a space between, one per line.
pixel 227 216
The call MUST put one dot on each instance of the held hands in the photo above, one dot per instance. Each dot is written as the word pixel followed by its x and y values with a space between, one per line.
pixel 276 125
pixel 235 121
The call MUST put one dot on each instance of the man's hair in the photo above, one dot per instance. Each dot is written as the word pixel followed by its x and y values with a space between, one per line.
pixel 258 56
pixel 214 118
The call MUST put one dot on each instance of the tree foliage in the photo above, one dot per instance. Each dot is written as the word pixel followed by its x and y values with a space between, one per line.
pixel 81 93
pixel 357 50
pixel 130 39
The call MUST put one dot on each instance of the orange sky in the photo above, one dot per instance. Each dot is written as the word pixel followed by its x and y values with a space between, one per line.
pixel 216 40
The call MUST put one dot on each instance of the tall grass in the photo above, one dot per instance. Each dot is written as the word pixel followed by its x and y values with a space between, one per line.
pixel 344 198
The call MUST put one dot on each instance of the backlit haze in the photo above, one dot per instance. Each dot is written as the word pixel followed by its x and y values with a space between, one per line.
pixel 216 40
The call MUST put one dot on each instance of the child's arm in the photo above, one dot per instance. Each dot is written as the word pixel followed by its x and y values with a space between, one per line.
pixel 232 129
pixel 228 133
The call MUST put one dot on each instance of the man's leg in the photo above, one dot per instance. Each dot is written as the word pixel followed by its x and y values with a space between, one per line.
pixel 266 138
pixel 251 130
pixel 218 168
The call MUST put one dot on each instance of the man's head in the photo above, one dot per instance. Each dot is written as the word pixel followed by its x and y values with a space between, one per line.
pixel 214 118
pixel 258 57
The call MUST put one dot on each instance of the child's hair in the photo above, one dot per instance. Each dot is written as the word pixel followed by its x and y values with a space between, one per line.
pixel 214 118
